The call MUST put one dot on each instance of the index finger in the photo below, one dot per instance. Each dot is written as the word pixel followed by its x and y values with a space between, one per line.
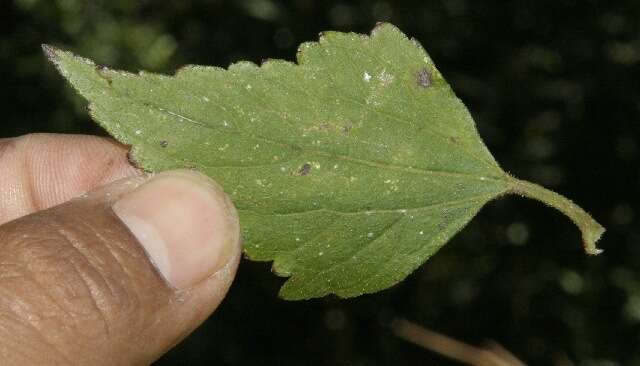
pixel 42 170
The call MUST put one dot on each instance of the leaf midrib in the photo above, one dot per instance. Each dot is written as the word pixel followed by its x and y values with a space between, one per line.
pixel 372 163
pixel 477 198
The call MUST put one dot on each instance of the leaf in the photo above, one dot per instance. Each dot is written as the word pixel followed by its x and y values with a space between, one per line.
pixel 349 169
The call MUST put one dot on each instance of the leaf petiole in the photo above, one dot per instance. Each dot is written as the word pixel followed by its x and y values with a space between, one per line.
pixel 591 230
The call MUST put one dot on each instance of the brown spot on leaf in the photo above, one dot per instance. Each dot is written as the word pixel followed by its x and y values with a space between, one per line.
pixel 304 169
pixel 423 78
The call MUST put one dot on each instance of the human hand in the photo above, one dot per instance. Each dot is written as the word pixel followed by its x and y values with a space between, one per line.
pixel 113 277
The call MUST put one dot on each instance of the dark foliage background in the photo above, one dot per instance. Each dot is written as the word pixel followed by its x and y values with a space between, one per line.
pixel 553 85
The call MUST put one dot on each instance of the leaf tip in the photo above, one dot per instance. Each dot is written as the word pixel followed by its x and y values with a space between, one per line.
pixel 51 52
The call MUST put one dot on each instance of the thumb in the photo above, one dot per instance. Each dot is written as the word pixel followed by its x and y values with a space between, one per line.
pixel 118 276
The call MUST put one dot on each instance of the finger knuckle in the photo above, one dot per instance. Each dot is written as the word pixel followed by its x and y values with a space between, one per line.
pixel 76 275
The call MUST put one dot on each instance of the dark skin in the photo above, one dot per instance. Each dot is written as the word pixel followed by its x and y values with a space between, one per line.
pixel 76 287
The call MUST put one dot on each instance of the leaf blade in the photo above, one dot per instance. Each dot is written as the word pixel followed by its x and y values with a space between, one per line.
pixel 362 135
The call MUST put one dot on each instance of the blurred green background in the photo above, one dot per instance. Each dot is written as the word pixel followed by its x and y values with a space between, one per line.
pixel 553 86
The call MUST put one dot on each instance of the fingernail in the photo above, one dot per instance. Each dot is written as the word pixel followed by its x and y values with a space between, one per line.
pixel 186 224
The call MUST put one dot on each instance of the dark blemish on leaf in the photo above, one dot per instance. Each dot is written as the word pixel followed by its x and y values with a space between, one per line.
pixel 164 143
pixel 423 78
pixel 304 169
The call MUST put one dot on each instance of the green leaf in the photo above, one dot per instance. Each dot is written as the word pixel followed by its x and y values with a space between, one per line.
pixel 349 169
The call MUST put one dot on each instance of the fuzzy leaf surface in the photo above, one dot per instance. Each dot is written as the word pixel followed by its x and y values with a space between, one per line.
pixel 349 168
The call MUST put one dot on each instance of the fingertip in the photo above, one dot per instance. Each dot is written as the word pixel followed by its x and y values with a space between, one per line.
pixel 186 223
